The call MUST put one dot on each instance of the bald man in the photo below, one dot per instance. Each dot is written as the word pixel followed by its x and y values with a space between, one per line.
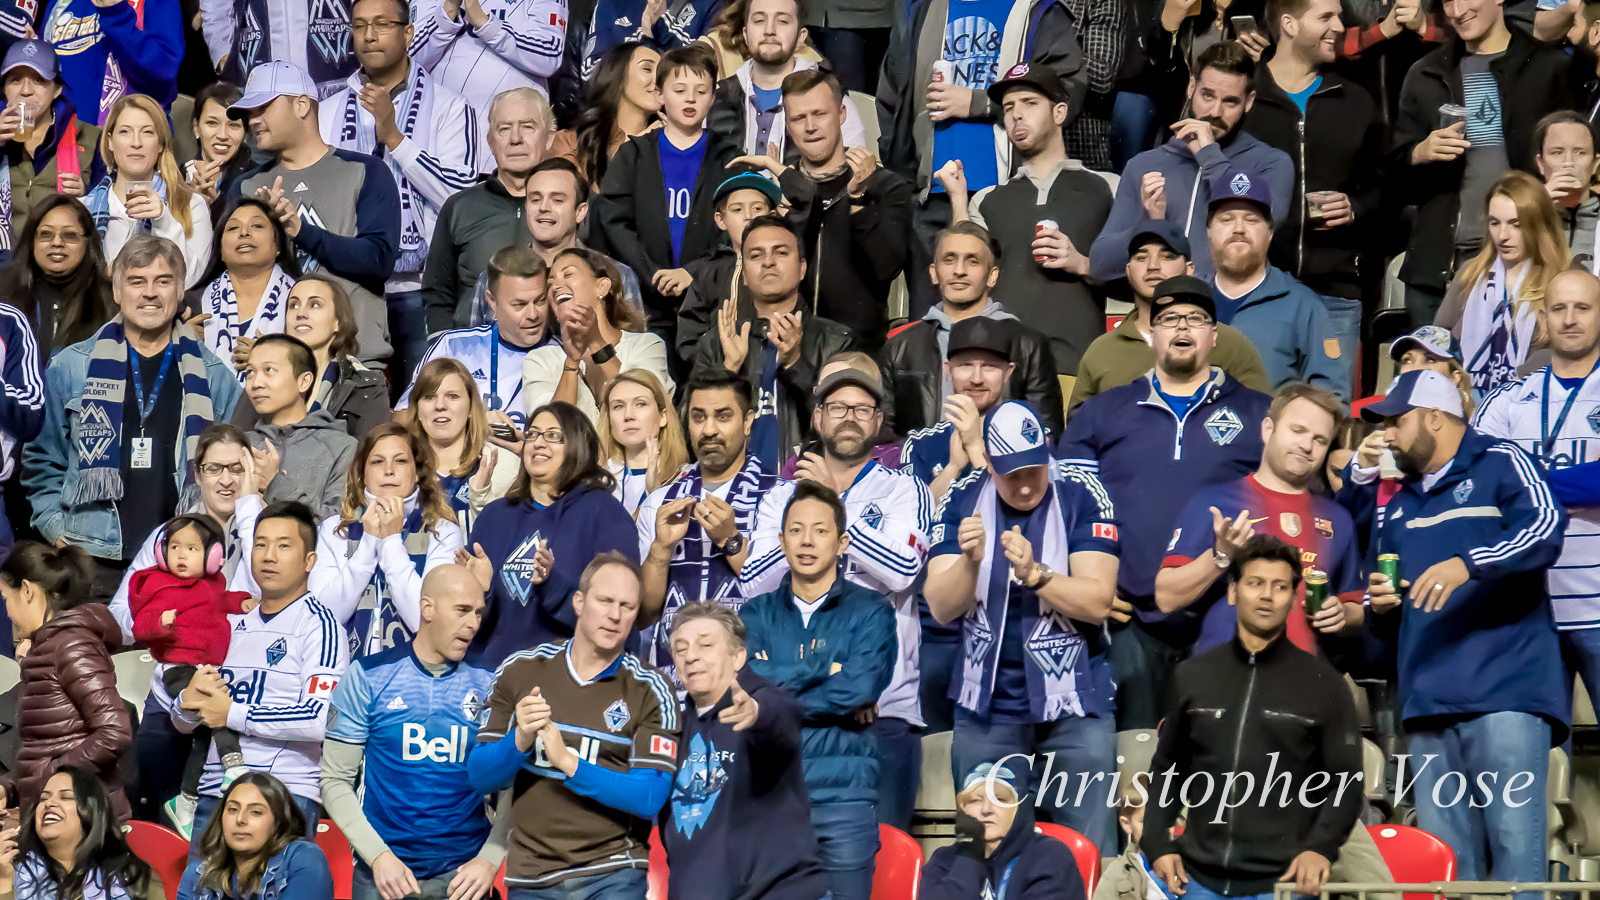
pixel 411 713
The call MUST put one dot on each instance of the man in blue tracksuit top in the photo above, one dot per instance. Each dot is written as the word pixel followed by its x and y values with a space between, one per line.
pixel 1481 682
pixel 738 825
pixel 832 644
pixel 1182 426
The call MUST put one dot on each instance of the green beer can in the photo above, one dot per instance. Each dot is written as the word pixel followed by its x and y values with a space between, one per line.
pixel 1316 591
pixel 1389 565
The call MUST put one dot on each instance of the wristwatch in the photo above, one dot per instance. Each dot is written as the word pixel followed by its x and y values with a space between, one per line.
pixel 1045 574
pixel 732 546
pixel 603 355
pixel 1220 558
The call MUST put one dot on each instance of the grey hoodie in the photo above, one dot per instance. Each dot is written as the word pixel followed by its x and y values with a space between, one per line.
pixel 313 457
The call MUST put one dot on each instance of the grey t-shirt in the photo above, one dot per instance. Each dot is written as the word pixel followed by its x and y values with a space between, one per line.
pixel 1486 159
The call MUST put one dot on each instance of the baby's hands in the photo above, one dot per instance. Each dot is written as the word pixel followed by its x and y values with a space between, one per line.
pixel 168 617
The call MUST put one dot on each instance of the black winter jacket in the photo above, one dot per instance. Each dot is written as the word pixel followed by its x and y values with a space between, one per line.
pixel 819 339
pixel 913 375
pixel 1266 715
pixel 1533 79
pixel 853 248
pixel 473 225
pixel 1334 147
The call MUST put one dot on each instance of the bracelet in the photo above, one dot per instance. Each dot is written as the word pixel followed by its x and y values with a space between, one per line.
pixel 603 355
pixel 569 366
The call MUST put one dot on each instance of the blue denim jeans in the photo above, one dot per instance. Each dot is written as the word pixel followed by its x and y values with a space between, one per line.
pixel 408 335
pixel 623 884
pixel 1197 891
pixel 1346 316
pixel 847 841
pixel 1494 840
pixel 162 751
pixel 362 887
pixel 208 806
pixel 937 666
pixel 1580 651
pixel 899 770
pixel 1133 124
pixel 1080 755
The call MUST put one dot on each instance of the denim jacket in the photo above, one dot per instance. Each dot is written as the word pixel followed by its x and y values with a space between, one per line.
pixel 50 463
pixel 300 864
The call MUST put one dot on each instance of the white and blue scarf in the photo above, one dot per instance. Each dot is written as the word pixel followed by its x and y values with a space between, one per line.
pixel 359 132
pixel 100 422
pixel 324 389
pixel 377 624
pixel 1495 329
pixel 1055 658
pixel 222 329
pixel 99 202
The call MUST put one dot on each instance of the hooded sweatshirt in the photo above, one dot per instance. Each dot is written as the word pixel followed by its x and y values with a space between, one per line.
pixel 313 456
pixel 580 525
pixel 199 632
pixel 1027 865
pixel 1289 325
pixel 1192 179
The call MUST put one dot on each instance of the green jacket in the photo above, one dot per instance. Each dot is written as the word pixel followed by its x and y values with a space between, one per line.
pixel 29 187
pixel 1122 354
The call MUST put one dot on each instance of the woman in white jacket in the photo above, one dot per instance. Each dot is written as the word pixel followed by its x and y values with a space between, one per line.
pixel 450 418
pixel 144 190
pixel 394 527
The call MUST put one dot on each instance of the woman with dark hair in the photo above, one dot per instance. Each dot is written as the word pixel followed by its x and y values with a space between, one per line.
pixel 58 276
pixel 619 101
pixel 451 419
pixel 69 844
pixel 319 313
pixel 601 335
pixel 254 848
pixel 394 526
pixel 223 155
pixel 69 713
pixel 529 549
pixel 245 292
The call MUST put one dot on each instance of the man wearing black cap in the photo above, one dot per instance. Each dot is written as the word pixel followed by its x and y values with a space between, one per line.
pixel 1124 353
pixel 39 163
pixel 1287 321
pixel 1044 218
pixel 741 197
pixel 1155 442
pixel 915 358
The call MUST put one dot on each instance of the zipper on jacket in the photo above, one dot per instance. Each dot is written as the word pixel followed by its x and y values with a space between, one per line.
pixel 1300 252
pixel 1238 750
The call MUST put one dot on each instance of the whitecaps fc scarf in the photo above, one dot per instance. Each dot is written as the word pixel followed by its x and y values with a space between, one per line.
pixel 359 133
pixel 1495 329
pixel 99 441
pixel 1055 657
pixel 377 624
pixel 222 329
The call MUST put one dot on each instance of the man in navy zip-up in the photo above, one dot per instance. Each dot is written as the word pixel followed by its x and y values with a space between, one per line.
pixel 1183 426
pixel 1476 527
pixel 738 825
pixel 832 644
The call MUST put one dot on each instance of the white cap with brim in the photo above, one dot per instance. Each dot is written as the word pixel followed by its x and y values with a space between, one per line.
pixel 1417 389
pixel 1014 438
pixel 269 81
pixel 984 774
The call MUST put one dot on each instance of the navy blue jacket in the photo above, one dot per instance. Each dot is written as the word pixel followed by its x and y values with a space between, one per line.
pixel 1493 646
pixel 1033 866
pixel 841 663
pixel 738 826
pixel 582 523
pixel 1152 463
pixel 1289 324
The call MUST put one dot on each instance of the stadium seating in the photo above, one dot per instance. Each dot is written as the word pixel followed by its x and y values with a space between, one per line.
pixel 899 865
pixel 164 850
pixel 657 887
pixel 1083 850
pixel 1414 855
pixel 133 675
pixel 336 847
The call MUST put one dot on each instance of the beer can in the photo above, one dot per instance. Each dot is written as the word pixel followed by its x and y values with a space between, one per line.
pixel 1316 591
pixel 1389 565
pixel 943 70
pixel 1041 227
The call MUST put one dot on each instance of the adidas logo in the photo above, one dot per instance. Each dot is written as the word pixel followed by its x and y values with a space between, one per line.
pixel 240 626
pixel 300 187
pixel 397 703
pixel 477 374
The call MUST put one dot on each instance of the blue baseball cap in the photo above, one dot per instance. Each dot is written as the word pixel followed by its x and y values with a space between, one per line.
pixel 37 55
pixel 1161 233
pixel 1014 438
pixel 1246 187
pixel 1434 340
pixel 1417 389
pixel 269 81
pixel 749 181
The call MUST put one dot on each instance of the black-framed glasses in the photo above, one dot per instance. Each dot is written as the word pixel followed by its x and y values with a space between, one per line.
pixel 861 413
pixel 553 436
pixel 213 470
pixel 1195 320
pixel 381 26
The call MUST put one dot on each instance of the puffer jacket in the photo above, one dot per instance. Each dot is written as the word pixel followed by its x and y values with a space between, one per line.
pixel 301 864
pixel 839 663
pixel 70 712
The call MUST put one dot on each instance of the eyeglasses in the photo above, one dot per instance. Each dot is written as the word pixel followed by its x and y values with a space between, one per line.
pixel 381 26
pixel 553 436
pixel 66 237
pixel 1195 321
pixel 212 470
pixel 841 410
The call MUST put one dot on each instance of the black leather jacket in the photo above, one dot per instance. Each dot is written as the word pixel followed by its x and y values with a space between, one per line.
pixel 913 374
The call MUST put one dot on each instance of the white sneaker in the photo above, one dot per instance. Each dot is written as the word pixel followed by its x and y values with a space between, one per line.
pixel 231 774
pixel 180 810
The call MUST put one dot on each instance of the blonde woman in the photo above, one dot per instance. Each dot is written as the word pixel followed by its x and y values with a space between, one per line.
pixel 144 189
pixel 1495 302
pixel 451 419
pixel 640 436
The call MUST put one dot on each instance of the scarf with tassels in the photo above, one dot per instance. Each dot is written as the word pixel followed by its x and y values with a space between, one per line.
pixel 377 624
pixel 220 301
pixel 101 420
pixel 358 132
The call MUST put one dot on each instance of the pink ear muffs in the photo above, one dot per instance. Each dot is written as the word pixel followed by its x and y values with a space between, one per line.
pixel 214 557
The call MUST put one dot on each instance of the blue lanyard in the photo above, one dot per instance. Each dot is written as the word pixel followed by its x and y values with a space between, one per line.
pixel 1548 437
pixel 145 407
pixel 1005 879
pixel 494 366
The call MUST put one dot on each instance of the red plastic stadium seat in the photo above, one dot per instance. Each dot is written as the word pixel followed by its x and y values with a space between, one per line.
pixel 1414 855
pixel 1083 850
pixel 165 851
pixel 898 865
pixel 656 888
pixel 500 880
pixel 336 847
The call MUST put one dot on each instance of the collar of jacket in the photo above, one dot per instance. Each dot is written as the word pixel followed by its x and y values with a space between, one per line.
pixel 1218 379
pixel 758 327
pixel 941 320
pixel 829 600
pixel 1268 91
pixel 1266 654
pixel 1445 61
pixel 1474 444
pixel 1015 843
pixel 1273 285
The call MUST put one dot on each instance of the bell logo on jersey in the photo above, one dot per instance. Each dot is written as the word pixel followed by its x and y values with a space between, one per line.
pixel 416 746
pixel 588 751
pixel 245 690
pixel 321 685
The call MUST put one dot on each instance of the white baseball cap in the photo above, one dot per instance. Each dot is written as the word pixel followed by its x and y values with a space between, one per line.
pixel 1014 438
pixel 1417 389
pixel 269 81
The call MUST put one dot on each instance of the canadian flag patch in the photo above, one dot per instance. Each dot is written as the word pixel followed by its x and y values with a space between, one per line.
pixel 1105 530
pixel 663 746
pixel 320 685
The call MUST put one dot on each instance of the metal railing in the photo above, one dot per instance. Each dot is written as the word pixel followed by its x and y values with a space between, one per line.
pixel 1590 890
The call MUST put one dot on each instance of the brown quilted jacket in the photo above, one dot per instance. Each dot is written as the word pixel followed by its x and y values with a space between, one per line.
pixel 69 712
